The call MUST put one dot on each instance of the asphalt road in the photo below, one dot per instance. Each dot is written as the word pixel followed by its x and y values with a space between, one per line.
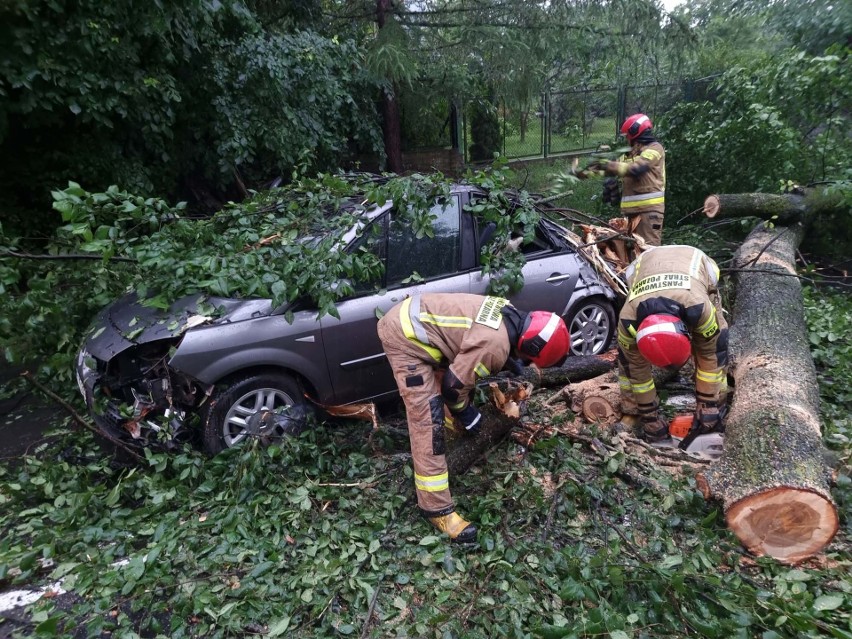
pixel 25 419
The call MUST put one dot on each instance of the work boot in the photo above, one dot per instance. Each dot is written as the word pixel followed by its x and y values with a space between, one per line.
pixel 459 530
pixel 655 430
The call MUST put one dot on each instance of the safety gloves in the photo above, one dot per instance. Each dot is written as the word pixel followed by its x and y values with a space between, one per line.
pixel 458 530
pixel 470 418
pixel 598 165
pixel 611 192
pixel 514 365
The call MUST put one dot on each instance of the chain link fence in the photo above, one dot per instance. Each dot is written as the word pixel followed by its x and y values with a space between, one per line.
pixel 560 122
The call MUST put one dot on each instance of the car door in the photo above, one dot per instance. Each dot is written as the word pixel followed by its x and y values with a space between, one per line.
pixel 357 364
pixel 550 276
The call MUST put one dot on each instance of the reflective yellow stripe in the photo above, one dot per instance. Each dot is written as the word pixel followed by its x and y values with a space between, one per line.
pixel 408 330
pixel 709 377
pixel 432 483
pixel 625 340
pixel 624 383
pixel 481 370
pixel 458 405
pixel 650 154
pixel 709 327
pixel 648 202
pixel 696 263
pixel 446 320
pixel 644 387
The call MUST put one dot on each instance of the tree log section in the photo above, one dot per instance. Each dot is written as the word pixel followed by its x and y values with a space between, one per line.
pixel 599 398
pixel 574 369
pixel 784 209
pixel 772 478
pixel 499 417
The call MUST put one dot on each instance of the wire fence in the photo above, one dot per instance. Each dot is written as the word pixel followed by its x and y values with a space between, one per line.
pixel 564 121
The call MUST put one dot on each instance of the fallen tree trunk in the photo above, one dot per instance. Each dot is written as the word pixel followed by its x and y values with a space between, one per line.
pixel 781 208
pixel 575 369
pixel 772 478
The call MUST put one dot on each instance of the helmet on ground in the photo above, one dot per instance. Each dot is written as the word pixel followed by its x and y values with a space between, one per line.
pixel 545 339
pixel 664 341
pixel 636 125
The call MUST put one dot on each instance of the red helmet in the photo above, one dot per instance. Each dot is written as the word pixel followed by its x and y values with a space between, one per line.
pixel 664 341
pixel 636 125
pixel 545 339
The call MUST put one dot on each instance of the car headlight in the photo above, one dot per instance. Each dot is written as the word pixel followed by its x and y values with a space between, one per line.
pixel 84 369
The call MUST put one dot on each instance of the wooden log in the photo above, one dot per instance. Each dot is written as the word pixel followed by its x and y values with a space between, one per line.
pixel 772 477
pixel 508 404
pixel 599 398
pixel 576 369
pixel 781 208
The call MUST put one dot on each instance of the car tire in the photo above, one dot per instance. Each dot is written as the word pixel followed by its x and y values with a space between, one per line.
pixel 235 409
pixel 591 324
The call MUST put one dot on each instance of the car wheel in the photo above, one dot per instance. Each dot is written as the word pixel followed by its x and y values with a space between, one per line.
pixel 591 324
pixel 264 406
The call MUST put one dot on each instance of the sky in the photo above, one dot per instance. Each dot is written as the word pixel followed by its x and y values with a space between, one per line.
pixel 671 4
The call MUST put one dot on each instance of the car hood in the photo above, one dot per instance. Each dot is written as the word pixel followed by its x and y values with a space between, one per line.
pixel 126 322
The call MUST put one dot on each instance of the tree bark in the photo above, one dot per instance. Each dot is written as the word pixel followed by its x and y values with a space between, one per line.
pixel 575 369
pixel 508 404
pixel 772 477
pixel 784 209
pixel 391 120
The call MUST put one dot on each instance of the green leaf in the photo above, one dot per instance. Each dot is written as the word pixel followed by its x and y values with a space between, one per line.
pixel 828 602
pixel 279 627
pixel 48 628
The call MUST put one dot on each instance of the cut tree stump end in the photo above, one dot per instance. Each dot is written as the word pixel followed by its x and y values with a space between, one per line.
pixel 597 409
pixel 711 206
pixel 788 524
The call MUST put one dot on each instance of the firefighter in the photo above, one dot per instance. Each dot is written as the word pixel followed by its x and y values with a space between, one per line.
pixel 437 346
pixel 643 177
pixel 673 312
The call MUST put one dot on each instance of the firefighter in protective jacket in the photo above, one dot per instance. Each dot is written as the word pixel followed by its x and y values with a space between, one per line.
pixel 643 177
pixel 673 312
pixel 437 346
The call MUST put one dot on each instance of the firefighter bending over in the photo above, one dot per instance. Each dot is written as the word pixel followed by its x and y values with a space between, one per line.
pixel 672 312
pixel 438 345
pixel 643 177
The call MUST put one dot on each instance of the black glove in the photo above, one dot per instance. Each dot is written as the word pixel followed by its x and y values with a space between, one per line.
pixel 611 192
pixel 470 418
pixel 514 365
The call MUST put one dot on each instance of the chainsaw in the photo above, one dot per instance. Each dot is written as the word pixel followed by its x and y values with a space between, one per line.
pixel 694 440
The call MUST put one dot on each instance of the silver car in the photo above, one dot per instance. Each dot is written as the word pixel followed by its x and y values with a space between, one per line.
pixel 160 378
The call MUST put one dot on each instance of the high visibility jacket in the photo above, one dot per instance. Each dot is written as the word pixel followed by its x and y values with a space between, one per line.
pixel 643 173
pixel 465 332
pixel 681 281
pixel 468 334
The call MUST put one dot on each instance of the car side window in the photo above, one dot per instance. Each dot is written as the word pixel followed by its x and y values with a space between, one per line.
pixel 411 259
pixel 374 240
pixel 538 244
